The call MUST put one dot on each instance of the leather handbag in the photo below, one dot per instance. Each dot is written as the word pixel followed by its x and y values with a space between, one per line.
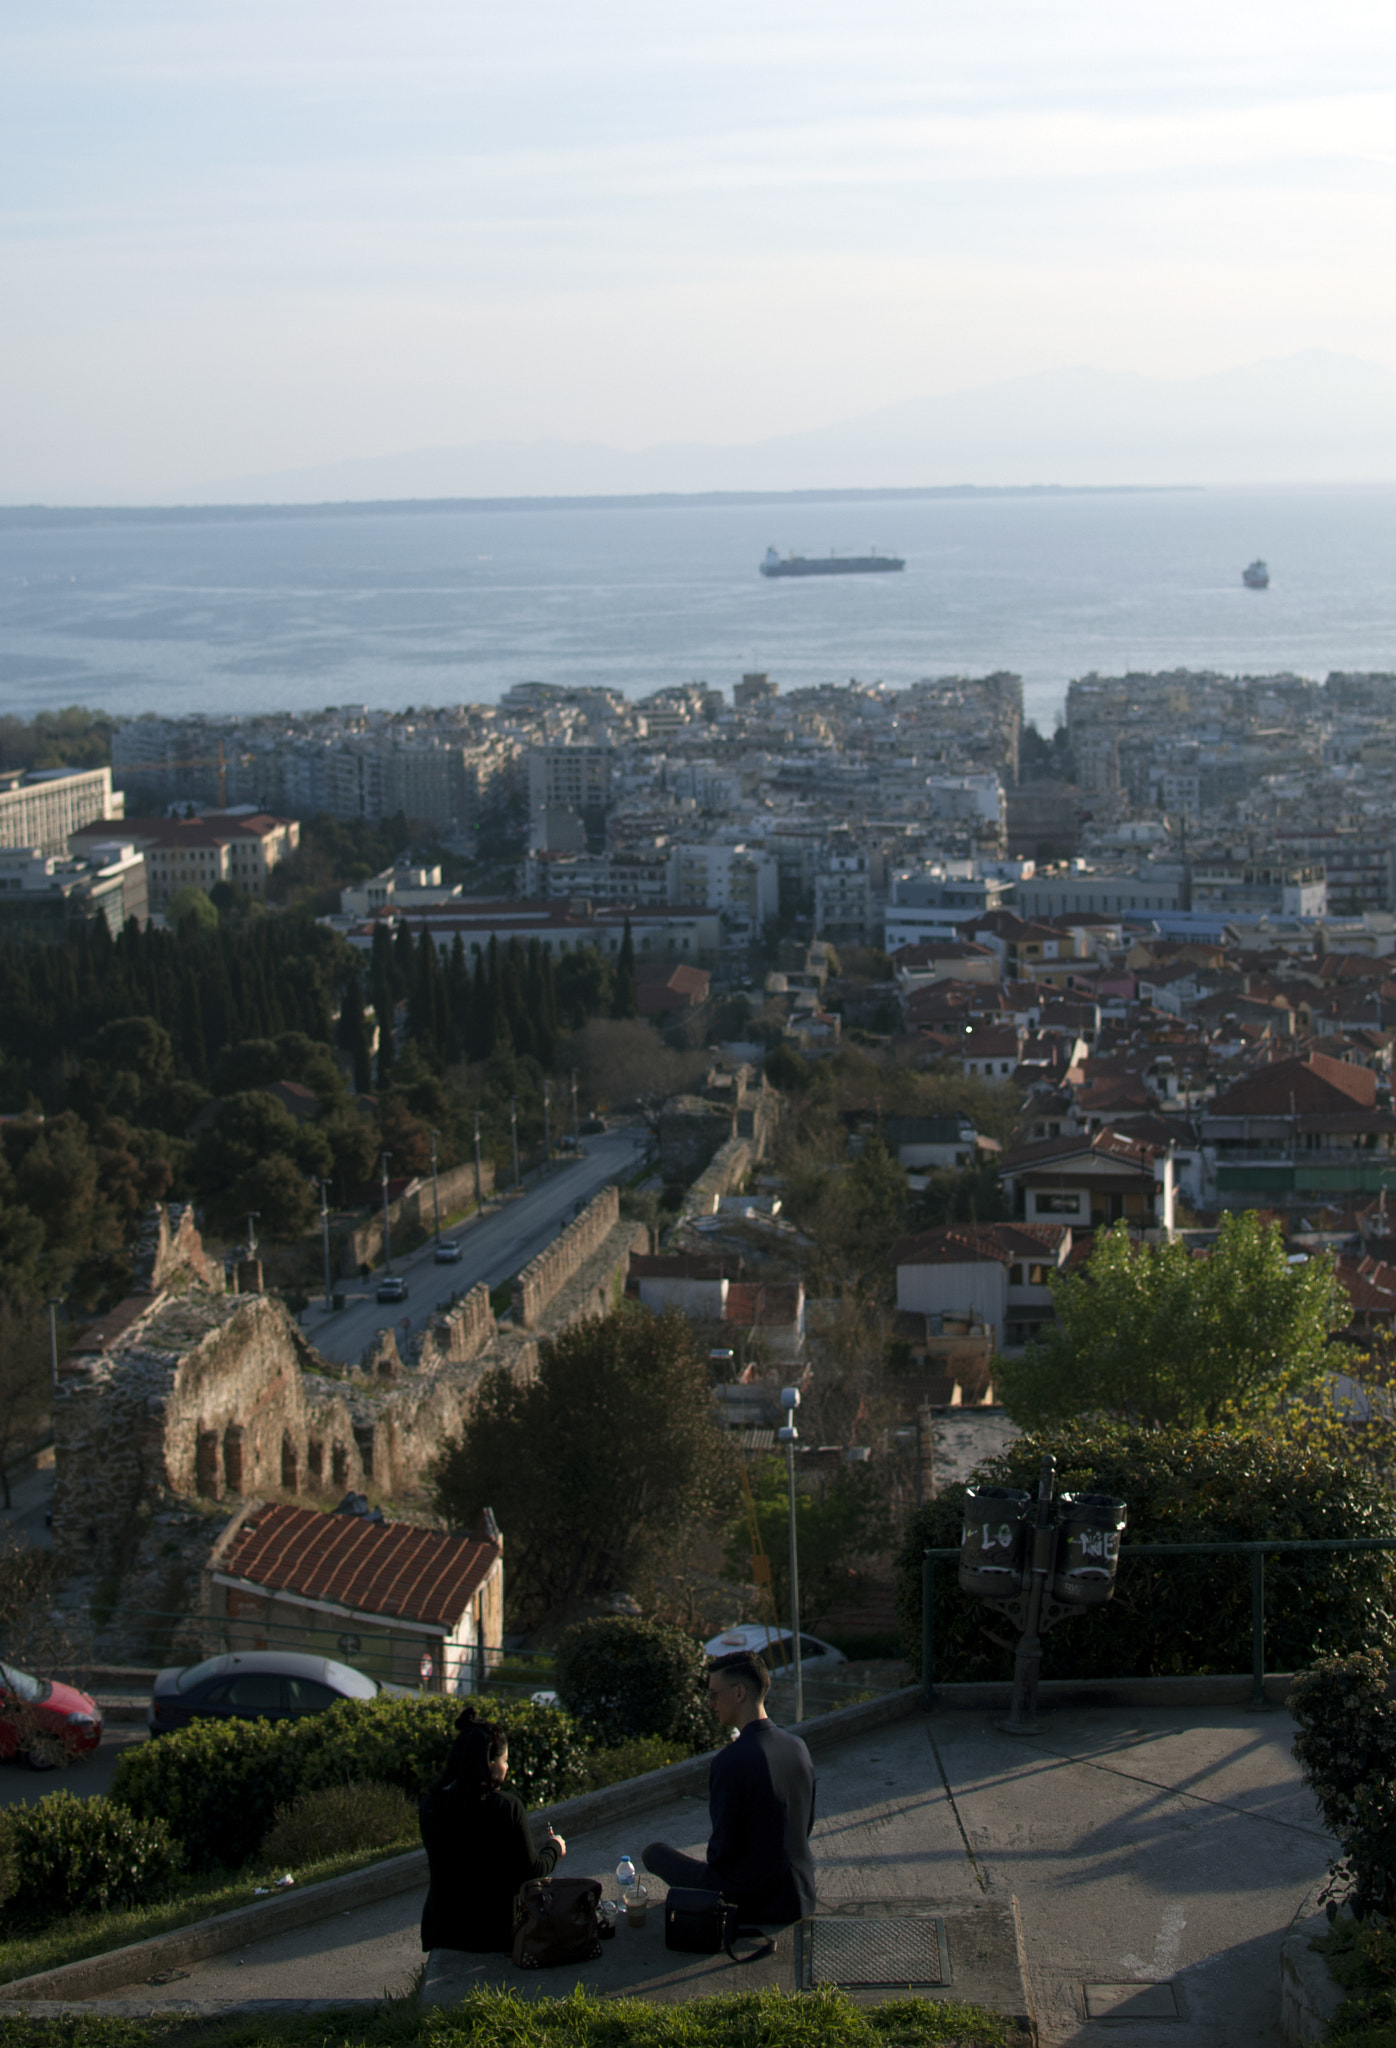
pixel 699 1923
pixel 555 1922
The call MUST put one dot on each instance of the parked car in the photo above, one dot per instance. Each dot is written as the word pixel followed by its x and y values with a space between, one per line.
pixel 773 1647
pixel 42 1720
pixel 392 1287
pixel 447 1252
pixel 255 1685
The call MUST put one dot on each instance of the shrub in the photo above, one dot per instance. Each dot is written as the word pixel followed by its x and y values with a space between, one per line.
pixel 622 1677
pixel 1346 1747
pixel 632 1759
pixel 337 1820
pixel 9 1858
pixel 220 1783
pixel 1189 1614
pixel 87 1856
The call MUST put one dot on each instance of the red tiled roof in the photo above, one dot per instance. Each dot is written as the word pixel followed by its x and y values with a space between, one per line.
pixel 387 1568
pixel 1291 1086
pixel 754 1302
pixel 959 1244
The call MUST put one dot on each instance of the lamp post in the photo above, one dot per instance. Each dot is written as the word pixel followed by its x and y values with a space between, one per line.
pixel 54 1303
pixel 514 1134
pixel 790 1436
pixel 479 1196
pixel 325 1236
pixel 383 1159
pixel 435 1190
pixel 576 1126
pixel 547 1131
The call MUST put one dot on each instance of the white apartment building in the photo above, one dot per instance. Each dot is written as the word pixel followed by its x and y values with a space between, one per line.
pixel 844 909
pixel 45 807
pixel 577 779
pixel 740 881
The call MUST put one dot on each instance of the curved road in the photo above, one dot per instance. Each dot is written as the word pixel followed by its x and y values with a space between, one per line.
pixel 493 1248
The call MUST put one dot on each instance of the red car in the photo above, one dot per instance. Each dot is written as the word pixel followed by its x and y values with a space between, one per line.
pixel 44 1720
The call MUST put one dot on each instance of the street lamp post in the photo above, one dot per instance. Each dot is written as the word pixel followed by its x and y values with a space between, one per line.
pixel 383 1159
pixel 790 1436
pixel 325 1235
pixel 514 1134
pixel 479 1196
pixel 435 1189
pixel 54 1303
pixel 576 1126
pixel 547 1130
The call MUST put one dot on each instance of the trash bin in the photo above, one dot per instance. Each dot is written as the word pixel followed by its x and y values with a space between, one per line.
pixel 994 1543
pixel 1088 1547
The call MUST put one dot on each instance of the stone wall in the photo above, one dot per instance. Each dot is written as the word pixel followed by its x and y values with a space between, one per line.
pixel 362 1244
pixel 541 1278
pixel 168 1247
pixel 723 1175
pixel 454 1336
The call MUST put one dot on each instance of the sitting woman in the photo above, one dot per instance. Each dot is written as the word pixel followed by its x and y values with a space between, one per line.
pixel 479 1849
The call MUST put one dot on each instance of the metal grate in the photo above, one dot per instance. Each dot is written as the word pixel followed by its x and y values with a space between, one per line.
pixel 875 1954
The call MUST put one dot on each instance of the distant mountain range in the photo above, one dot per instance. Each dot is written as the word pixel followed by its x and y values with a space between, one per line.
pixel 1313 417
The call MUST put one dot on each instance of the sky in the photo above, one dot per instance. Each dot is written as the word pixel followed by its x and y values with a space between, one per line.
pixel 239 236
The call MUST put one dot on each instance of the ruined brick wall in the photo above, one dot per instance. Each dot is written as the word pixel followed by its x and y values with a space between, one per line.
pixel 541 1278
pixel 454 1336
pixel 723 1175
pixel 168 1248
pixel 363 1243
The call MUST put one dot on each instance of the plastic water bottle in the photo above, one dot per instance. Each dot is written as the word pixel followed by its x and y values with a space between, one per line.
pixel 625 1877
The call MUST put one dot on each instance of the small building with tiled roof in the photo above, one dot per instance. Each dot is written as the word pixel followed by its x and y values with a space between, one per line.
pixel 1090 1181
pixel 994 1274
pixel 409 1606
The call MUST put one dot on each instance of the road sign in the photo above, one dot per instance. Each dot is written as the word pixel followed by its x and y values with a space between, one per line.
pixel 427 1668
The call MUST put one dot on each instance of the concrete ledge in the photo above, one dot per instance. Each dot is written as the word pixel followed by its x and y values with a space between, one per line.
pixel 188 2008
pixel 96 1975
pixel 1309 1997
pixel 1219 1690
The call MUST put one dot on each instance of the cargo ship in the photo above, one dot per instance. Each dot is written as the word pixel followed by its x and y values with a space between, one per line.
pixel 1257 576
pixel 828 565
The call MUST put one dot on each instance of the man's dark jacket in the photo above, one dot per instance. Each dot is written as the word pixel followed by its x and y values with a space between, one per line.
pixel 761 1805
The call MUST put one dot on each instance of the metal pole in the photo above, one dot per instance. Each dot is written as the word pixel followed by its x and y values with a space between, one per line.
pixel 479 1197
pixel 1258 1629
pixel 387 1227
pixel 53 1305
pixel 435 1190
pixel 1027 1661
pixel 928 1629
pixel 325 1234
pixel 547 1129
pixel 576 1126
pixel 514 1133
pixel 795 1581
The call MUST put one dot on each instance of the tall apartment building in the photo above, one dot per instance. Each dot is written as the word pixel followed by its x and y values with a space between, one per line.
pixel 576 779
pixel 43 808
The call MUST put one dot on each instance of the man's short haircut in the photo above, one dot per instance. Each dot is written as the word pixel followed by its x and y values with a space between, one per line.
pixel 743 1667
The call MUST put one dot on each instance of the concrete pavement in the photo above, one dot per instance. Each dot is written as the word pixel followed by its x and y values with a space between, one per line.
pixel 1158 1856
pixel 494 1246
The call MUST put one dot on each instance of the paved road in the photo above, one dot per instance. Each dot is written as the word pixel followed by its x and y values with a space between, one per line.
pixel 494 1246
pixel 20 1786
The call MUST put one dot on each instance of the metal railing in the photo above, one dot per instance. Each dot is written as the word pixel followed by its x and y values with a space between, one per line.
pixel 1256 1551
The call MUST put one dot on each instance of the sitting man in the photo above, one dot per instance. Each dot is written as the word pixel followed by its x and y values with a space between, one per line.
pixel 760 1804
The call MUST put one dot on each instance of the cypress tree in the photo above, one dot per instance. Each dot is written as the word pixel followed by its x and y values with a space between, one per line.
pixel 626 1001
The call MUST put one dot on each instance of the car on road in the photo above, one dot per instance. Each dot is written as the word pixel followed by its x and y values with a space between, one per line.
pixel 43 1720
pixel 773 1646
pixel 447 1252
pixel 255 1685
pixel 392 1287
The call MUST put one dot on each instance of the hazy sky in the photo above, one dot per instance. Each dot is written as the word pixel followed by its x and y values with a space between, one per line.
pixel 243 235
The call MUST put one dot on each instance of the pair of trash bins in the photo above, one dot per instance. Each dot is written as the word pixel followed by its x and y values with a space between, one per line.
pixel 997 1545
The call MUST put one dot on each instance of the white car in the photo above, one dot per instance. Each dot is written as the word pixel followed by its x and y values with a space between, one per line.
pixel 773 1647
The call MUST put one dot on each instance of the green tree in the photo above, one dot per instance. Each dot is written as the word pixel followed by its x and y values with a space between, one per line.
pixel 848 1521
pixel 24 1379
pixel 626 1001
pixel 1154 1335
pixel 280 1194
pixel 194 905
pixel 600 1469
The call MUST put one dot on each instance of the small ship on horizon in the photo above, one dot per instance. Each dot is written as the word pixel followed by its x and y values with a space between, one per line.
pixel 1256 576
pixel 828 565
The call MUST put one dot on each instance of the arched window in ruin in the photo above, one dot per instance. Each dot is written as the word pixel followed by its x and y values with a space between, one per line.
pixel 315 1461
pixel 290 1466
pixel 233 1446
pixel 339 1466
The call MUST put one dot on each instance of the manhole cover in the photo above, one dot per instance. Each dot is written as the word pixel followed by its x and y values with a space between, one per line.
pixel 876 1953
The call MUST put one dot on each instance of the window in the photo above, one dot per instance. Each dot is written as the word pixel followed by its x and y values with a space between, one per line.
pixel 252 1692
pixel 1057 1205
pixel 308 1696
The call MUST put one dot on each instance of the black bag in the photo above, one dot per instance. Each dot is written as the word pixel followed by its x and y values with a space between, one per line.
pixel 698 1923
pixel 555 1922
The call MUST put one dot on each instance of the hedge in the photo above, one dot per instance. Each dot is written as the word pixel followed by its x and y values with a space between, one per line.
pixel 624 1678
pixel 218 1784
pixel 85 1856
pixel 1188 1614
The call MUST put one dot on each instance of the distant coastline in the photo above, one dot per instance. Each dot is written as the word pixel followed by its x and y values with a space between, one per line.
pixel 21 516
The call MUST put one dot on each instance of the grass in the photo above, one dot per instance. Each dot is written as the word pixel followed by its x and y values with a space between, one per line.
pixel 1361 1956
pixel 198 1898
pixel 752 2019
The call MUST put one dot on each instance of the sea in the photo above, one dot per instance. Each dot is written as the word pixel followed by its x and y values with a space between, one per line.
pixel 236 611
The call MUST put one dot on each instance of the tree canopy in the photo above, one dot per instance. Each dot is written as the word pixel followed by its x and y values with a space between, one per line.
pixel 1158 1335
pixel 599 1469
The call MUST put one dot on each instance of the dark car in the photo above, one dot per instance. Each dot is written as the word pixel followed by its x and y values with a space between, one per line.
pixel 392 1288
pixel 43 1720
pixel 255 1685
